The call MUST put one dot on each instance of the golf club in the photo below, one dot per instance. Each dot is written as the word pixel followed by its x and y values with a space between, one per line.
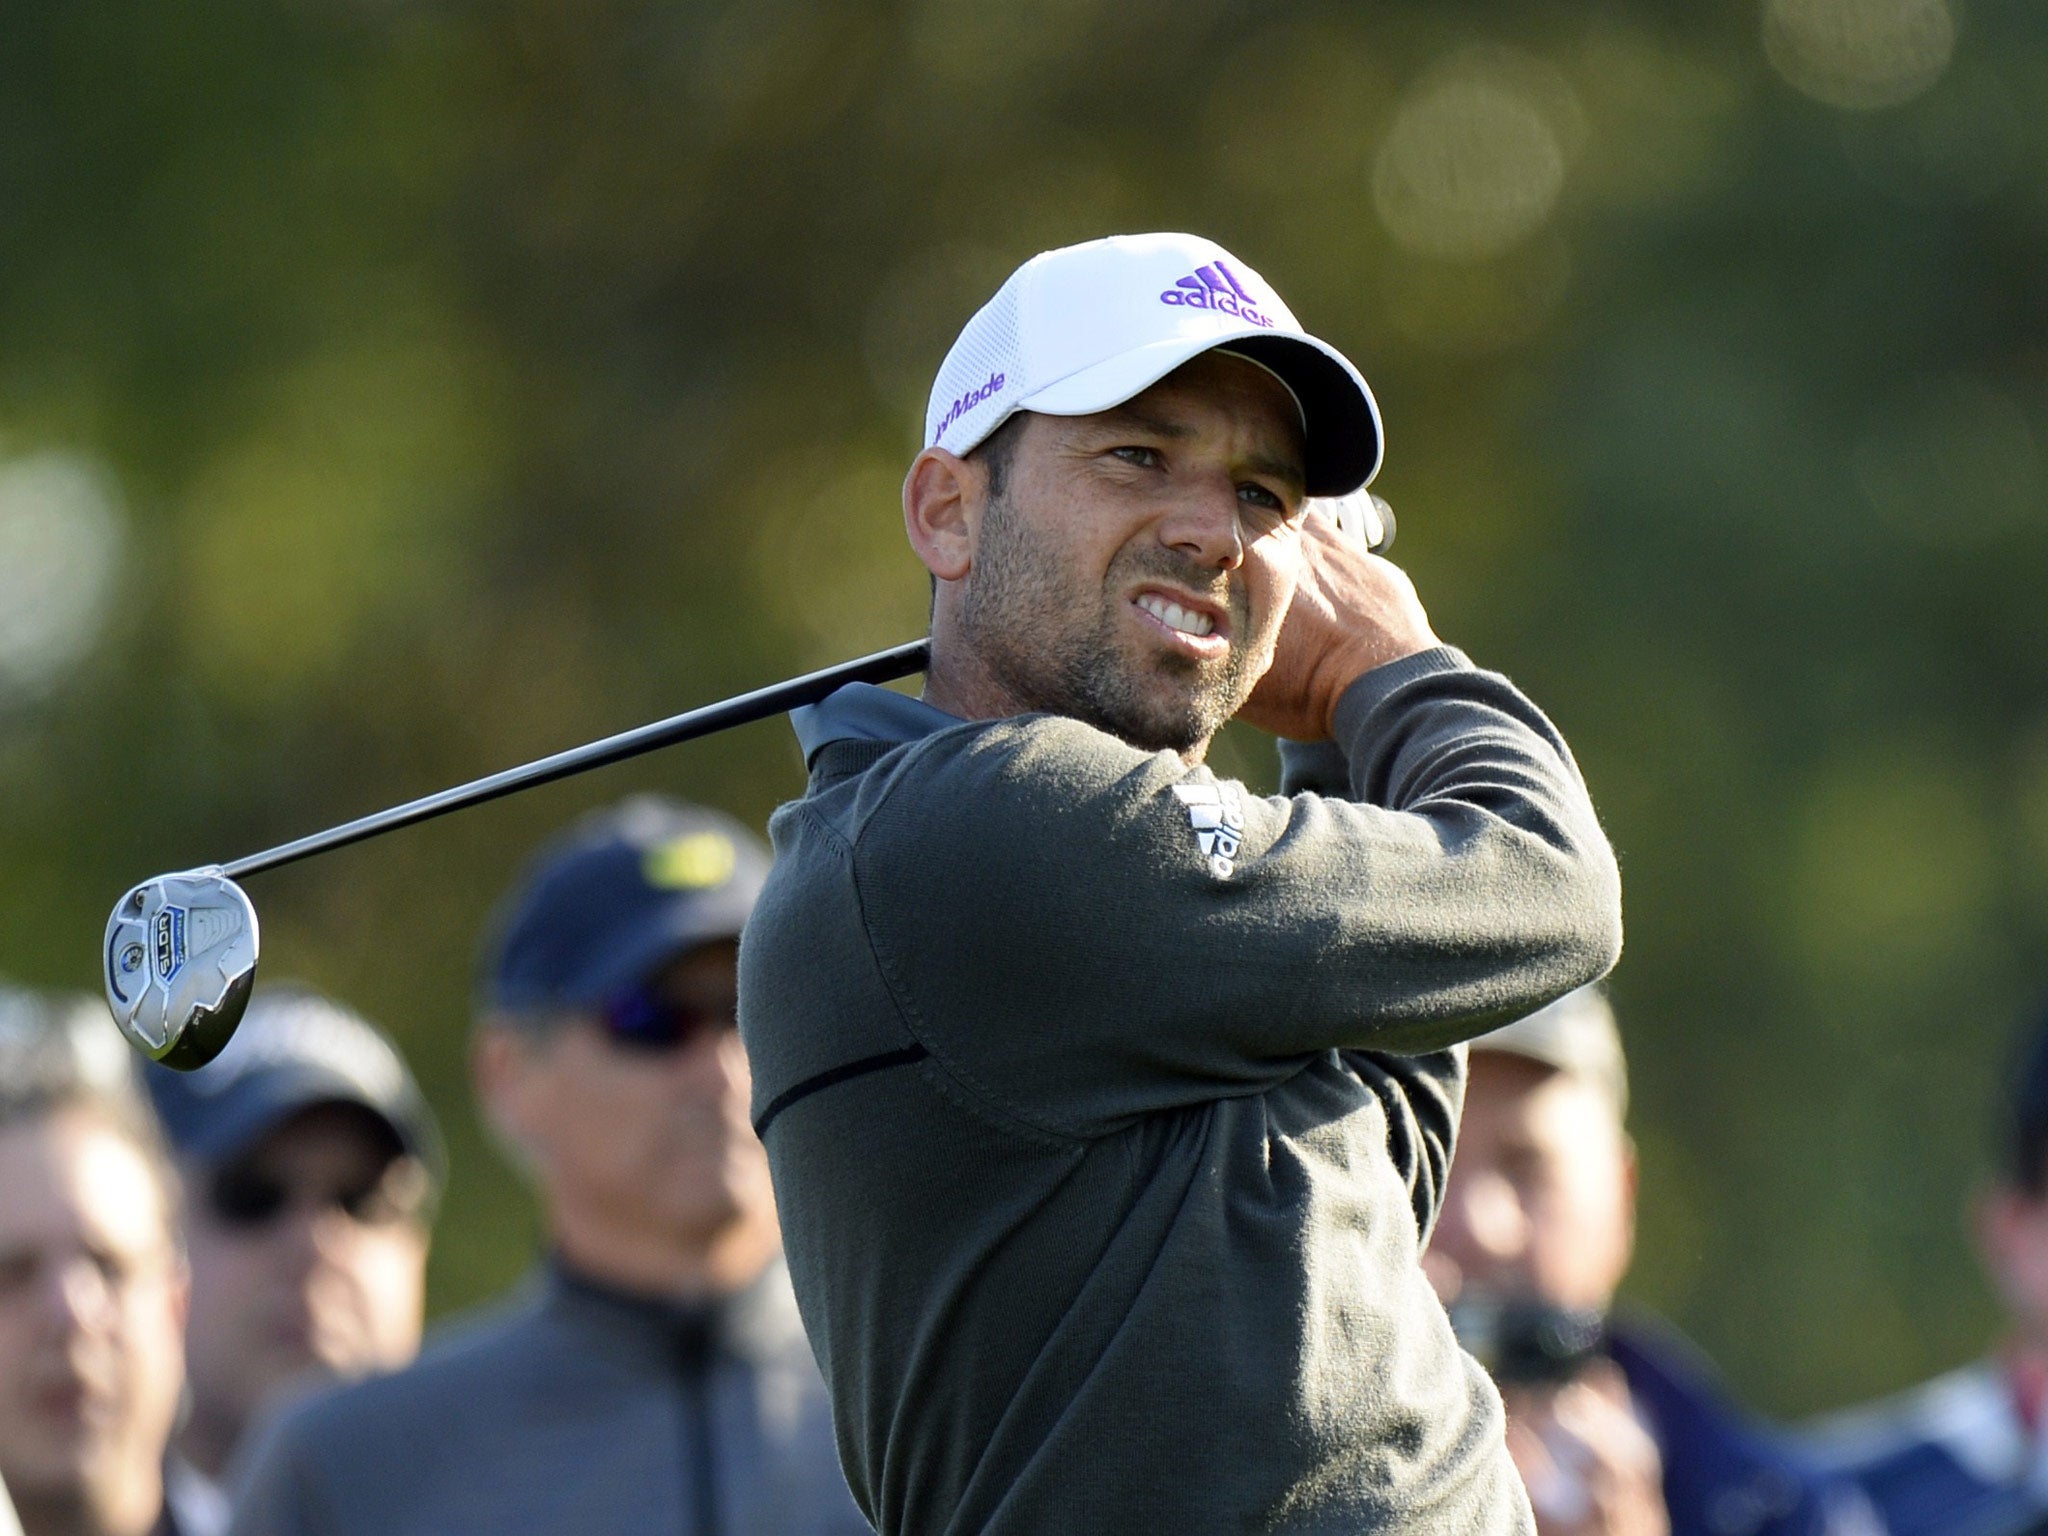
pixel 180 953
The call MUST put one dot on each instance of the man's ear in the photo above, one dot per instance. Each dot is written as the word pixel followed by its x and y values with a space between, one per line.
pixel 499 1069
pixel 181 1298
pixel 942 500
pixel 1631 1183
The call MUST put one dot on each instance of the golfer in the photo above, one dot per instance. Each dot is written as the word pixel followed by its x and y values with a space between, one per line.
pixel 1109 1104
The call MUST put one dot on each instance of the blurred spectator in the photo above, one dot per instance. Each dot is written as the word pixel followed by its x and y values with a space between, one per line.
pixel 310 1164
pixel 655 1377
pixel 92 1285
pixel 1615 1424
pixel 1966 1454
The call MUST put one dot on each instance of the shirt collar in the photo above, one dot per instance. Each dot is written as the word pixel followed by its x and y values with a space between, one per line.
pixel 756 1322
pixel 865 712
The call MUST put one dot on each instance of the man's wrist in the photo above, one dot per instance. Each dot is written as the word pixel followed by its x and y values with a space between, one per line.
pixel 1371 688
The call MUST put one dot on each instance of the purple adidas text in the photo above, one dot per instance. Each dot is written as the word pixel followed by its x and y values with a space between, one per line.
pixel 1216 287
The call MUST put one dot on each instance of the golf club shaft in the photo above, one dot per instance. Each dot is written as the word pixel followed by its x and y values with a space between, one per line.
pixel 777 698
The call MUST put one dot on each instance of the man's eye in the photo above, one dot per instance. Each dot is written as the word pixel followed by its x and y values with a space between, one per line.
pixel 1259 496
pixel 115 1268
pixel 1146 458
pixel 1528 1172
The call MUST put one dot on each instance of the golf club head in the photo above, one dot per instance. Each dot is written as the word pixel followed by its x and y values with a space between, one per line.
pixel 1364 516
pixel 180 961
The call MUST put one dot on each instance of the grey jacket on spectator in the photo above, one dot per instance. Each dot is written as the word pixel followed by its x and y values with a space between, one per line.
pixel 577 1410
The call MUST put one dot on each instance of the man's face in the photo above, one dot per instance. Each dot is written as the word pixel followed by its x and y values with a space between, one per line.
pixel 1541 1197
pixel 308 1256
pixel 92 1302
pixel 637 1144
pixel 1137 565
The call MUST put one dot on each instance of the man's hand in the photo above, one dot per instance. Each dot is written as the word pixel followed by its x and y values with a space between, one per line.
pixel 1352 611
pixel 1589 1465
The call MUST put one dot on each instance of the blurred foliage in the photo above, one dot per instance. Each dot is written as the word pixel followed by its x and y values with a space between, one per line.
pixel 459 382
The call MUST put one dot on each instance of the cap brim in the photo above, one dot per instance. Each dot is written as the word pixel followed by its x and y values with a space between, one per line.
pixel 250 1111
pixel 1340 418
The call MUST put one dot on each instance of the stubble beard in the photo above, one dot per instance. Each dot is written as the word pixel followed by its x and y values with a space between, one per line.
pixel 1011 612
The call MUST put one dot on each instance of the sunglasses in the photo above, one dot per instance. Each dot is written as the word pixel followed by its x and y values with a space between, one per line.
pixel 248 1200
pixel 654 1023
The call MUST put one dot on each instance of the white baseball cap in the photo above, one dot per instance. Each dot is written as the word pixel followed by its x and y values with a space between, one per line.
pixel 1086 327
pixel 1575 1035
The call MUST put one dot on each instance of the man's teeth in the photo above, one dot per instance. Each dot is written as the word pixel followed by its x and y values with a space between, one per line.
pixel 1173 616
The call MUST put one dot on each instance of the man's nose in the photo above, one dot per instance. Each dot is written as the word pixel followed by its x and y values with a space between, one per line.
pixel 1204 521
pixel 716 1064
pixel 310 1236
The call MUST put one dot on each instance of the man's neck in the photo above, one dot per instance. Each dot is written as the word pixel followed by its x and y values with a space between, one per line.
pixel 133 1512
pixel 960 683
pixel 2026 1379
pixel 209 1437
pixel 727 1262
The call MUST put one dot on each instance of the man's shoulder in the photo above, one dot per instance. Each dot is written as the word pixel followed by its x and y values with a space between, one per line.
pixel 978 768
pixel 1949 1453
pixel 1717 1457
pixel 1965 1414
pixel 462 1366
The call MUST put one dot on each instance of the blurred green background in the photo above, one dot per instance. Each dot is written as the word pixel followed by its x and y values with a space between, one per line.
pixel 391 391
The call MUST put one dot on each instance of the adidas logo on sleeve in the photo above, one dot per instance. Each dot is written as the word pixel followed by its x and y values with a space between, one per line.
pixel 1216 813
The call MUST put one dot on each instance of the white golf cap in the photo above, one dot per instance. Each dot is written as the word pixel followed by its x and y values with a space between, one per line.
pixel 1575 1035
pixel 1086 327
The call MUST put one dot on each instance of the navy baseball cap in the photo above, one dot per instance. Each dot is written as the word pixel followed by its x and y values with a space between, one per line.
pixel 608 903
pixel 294 1049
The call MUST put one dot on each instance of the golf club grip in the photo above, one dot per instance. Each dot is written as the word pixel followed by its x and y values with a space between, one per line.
pixel 776 699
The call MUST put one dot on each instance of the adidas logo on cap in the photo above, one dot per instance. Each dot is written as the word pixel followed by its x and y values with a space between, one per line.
pixel 1214 286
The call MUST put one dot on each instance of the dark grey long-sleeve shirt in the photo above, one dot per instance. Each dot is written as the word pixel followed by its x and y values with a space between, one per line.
pixel 1109 1105
pixel 580 1411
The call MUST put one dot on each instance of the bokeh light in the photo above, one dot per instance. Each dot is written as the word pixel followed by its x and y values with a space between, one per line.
pixel 1860 54
pixel 61 534
pixel 1474 161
